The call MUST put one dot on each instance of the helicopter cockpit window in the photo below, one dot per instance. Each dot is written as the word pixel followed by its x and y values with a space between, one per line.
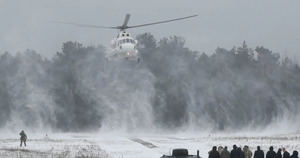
pixel 127 34
pixel 123 35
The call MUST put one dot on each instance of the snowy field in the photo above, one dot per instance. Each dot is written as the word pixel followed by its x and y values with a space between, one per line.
pixel 132 146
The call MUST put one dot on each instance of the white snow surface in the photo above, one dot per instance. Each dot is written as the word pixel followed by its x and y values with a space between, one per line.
pixel 114 145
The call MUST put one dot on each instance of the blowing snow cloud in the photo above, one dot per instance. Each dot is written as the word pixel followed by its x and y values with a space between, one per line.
pixel 171 88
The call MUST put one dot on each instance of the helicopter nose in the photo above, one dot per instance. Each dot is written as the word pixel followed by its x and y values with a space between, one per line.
pixel 127 47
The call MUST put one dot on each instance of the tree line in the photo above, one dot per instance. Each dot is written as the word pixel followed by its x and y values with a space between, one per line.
pixel 172 87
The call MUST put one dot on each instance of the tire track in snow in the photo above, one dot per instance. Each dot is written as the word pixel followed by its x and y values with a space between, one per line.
pixel 144 143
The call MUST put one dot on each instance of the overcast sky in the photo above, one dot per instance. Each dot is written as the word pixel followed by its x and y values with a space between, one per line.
pixel 272 23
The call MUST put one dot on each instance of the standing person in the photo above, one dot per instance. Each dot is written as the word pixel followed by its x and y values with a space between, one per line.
pixel 220 149
pixel 286 154
pixel 271 153
pixel 225 153
pixel 23 138
pixel 214 153
pixel 234 152
pixel 247 152
pixel 278 154
pixel 295 154
pixel 241 153
pixel 259 153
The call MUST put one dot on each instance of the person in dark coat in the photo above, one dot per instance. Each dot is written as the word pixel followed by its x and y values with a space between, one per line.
pixel 286 154
pixel 259 153
pixel 214 153
pixel 241 153
pixel 225 153
pixel 271 153
pixel 23 138
pixel 278 154
pixel 234 152
pixel 295 154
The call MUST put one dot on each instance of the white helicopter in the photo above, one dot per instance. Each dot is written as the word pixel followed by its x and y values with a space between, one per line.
pixel 124 45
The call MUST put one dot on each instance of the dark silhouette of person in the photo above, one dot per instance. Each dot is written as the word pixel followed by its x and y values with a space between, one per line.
pixel 295 154
pixel 286 154
pixel 225 153
pixel 214 153
pixel 278 154
pixel 241 153
pixel 234 152
pixel 259 153
pixel 271 153
pixel 23 138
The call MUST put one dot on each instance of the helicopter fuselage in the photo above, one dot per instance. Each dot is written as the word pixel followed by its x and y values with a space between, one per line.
pixel 124 45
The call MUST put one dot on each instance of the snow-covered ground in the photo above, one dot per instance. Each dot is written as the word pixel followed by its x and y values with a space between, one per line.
pixel 133 145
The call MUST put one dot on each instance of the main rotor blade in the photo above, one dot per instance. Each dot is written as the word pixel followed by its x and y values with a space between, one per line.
pixel 127 17
pixel 86 25
pixel 160 22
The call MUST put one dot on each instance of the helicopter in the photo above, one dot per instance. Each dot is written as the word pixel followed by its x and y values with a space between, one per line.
pixel 124 45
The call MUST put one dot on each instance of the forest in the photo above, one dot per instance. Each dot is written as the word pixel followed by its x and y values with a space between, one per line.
pixel 171 88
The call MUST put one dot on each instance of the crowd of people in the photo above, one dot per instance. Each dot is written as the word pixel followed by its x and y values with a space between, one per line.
pixel 238 152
